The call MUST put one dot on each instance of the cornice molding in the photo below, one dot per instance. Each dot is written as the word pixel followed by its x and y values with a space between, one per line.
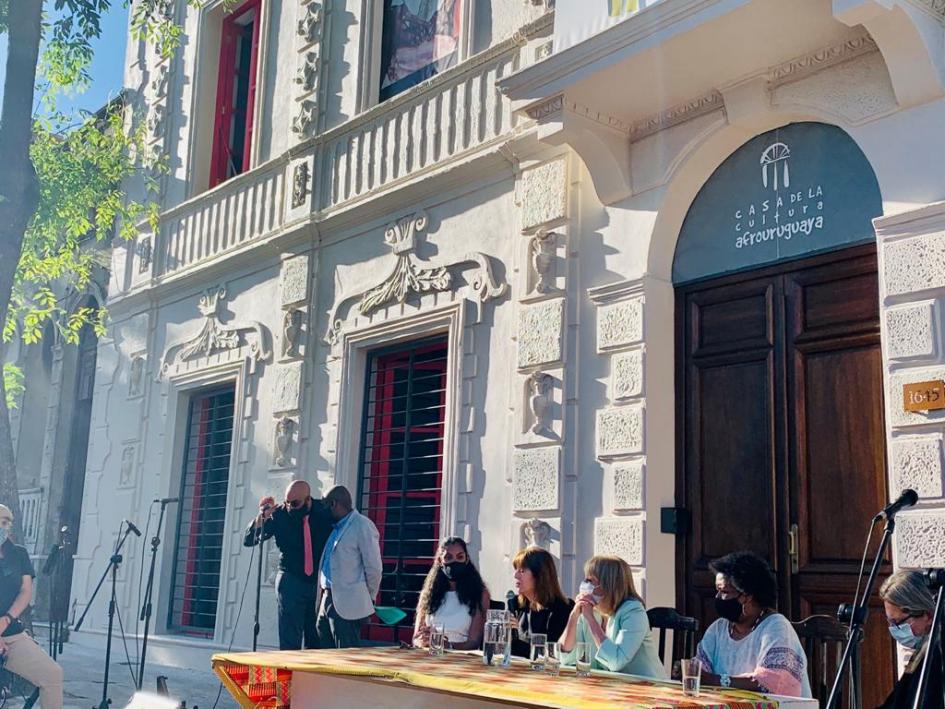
pixel 801 67
pixel 680 113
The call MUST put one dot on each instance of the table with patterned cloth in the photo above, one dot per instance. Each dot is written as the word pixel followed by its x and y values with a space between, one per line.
pixel 392 677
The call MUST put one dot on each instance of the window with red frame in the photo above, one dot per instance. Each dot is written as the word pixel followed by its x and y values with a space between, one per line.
pixel 236 93
pixel 200 521
pixel 401 466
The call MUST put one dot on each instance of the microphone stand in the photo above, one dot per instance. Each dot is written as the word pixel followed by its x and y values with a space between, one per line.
pixel 149 592
pixel 935 642
pixel 259 569
pixel 858 618
pixel 112 567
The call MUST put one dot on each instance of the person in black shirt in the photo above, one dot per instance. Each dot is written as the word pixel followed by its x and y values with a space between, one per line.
pixel 909 606
pixel 21 654
pixel 540 606
pixel 301 527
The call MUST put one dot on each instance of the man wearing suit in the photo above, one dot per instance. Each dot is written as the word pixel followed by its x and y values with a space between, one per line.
pixel 349 573
pixel 301 527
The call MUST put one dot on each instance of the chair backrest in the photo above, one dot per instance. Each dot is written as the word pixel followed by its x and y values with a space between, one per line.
pixel 684 632
pixel 823 638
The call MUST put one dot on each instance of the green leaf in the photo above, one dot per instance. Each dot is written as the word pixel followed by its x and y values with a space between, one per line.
pixel 13 383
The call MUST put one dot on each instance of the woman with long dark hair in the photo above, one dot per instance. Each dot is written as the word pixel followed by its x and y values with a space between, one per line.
pixel 454 596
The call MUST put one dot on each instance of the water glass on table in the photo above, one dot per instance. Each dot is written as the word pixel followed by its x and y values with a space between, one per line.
pixel 437 640
pixel 539 651
pixel 691 676
pixel 553 659
pixel 494 635
pixel 582 659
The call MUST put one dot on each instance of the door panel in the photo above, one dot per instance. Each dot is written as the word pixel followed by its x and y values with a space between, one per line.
pixel 837 446
pixel 730 414
pixel 780 377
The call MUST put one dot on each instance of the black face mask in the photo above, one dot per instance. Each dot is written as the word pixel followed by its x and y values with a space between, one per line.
pixel 455 570
pixel 298 512
pixel 728 608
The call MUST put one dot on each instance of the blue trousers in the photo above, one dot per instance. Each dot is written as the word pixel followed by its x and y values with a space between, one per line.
pixel 296 598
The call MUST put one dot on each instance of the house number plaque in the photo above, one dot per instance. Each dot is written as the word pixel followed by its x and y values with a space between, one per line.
pixel 923 396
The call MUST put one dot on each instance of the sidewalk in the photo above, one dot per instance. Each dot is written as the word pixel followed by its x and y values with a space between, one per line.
pixel 82 661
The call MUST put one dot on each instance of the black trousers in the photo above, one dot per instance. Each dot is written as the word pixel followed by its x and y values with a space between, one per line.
pixel 296 598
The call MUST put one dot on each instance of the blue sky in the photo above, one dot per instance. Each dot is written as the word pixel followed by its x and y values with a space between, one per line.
pixel 107 66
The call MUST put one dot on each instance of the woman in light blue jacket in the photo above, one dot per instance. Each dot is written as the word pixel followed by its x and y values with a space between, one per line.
pixel 610 616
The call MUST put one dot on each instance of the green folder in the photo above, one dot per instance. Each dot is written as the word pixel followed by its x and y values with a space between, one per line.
pixel 389 615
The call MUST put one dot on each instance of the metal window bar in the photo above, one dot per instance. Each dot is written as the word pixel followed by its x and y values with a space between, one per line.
pixel 401 464
pixel 201 515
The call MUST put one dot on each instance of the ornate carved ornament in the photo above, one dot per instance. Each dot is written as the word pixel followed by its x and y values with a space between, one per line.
pixel 309 27
pixel 936 7
pixel 213 336
pixel 300 178
pixel 305 119
pixel 411 276
pixel 535 532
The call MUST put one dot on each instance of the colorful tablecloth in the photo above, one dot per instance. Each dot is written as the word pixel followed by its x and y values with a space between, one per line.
pixel 263 679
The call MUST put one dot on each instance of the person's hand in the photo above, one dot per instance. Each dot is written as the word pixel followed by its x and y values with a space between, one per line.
pixel 3 648
pixel 584 604
pixel 266 507
pixel 422 637
pixel 4 624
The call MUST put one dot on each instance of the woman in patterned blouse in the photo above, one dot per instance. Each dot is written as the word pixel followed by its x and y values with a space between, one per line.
pixel 751 646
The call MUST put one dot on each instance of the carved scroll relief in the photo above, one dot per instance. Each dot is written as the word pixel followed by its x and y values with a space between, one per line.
pixel 410 276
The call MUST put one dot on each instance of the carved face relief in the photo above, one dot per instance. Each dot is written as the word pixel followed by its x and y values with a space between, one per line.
pixel 536 532
pixel 300 184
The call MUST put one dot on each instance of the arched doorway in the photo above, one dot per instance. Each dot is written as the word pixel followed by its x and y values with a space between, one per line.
pixel 780 418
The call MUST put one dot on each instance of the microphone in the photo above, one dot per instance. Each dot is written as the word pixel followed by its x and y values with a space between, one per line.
pixel 168 500
pixel 907 499
pixel 131 526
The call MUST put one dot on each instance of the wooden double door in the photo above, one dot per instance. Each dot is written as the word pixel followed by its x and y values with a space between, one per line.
pixel 781 435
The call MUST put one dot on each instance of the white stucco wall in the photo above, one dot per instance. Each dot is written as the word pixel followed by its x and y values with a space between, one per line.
pixel 600 327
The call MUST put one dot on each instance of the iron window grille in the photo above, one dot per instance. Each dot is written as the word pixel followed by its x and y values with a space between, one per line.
pixel 401 466
pixel 200 521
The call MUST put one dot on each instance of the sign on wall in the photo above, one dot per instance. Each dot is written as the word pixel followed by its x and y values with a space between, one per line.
pixel 576 20
pixel 794 191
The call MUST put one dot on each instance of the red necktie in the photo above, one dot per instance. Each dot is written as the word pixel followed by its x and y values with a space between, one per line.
pixel 307 542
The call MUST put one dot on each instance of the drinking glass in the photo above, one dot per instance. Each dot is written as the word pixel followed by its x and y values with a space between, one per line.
pixel 502 649
pixel 691 677
pixel 553 659
pixel 494 642
pixel 437 640
pixel 539 651
pixel 582 659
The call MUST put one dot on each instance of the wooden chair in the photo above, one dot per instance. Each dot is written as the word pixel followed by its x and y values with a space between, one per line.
pixel 823 638
pixel 684 632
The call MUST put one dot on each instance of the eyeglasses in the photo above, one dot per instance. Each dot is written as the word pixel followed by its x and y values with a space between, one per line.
pixel 295 504
pixel 900 623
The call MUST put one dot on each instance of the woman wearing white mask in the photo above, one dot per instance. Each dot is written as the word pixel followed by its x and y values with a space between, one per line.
pixel 610 616
pixel 909 606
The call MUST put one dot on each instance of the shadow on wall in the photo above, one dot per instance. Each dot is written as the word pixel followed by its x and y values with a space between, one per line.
pixel 339 24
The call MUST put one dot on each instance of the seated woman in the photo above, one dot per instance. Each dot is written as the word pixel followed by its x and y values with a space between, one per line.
pixel 609 615
pixel 540 606
pixel 751 646
pixel 909 606
pixel 455 597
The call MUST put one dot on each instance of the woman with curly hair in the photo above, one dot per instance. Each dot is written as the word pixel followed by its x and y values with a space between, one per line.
pixel 455 597
pixel 751 646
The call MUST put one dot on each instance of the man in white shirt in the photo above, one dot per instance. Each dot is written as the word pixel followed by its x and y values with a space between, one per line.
pixel 349 575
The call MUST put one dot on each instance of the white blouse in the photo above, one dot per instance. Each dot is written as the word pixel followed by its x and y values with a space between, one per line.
pixel 454 616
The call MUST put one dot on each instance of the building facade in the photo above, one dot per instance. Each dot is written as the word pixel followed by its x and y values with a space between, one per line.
pixel 618 277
